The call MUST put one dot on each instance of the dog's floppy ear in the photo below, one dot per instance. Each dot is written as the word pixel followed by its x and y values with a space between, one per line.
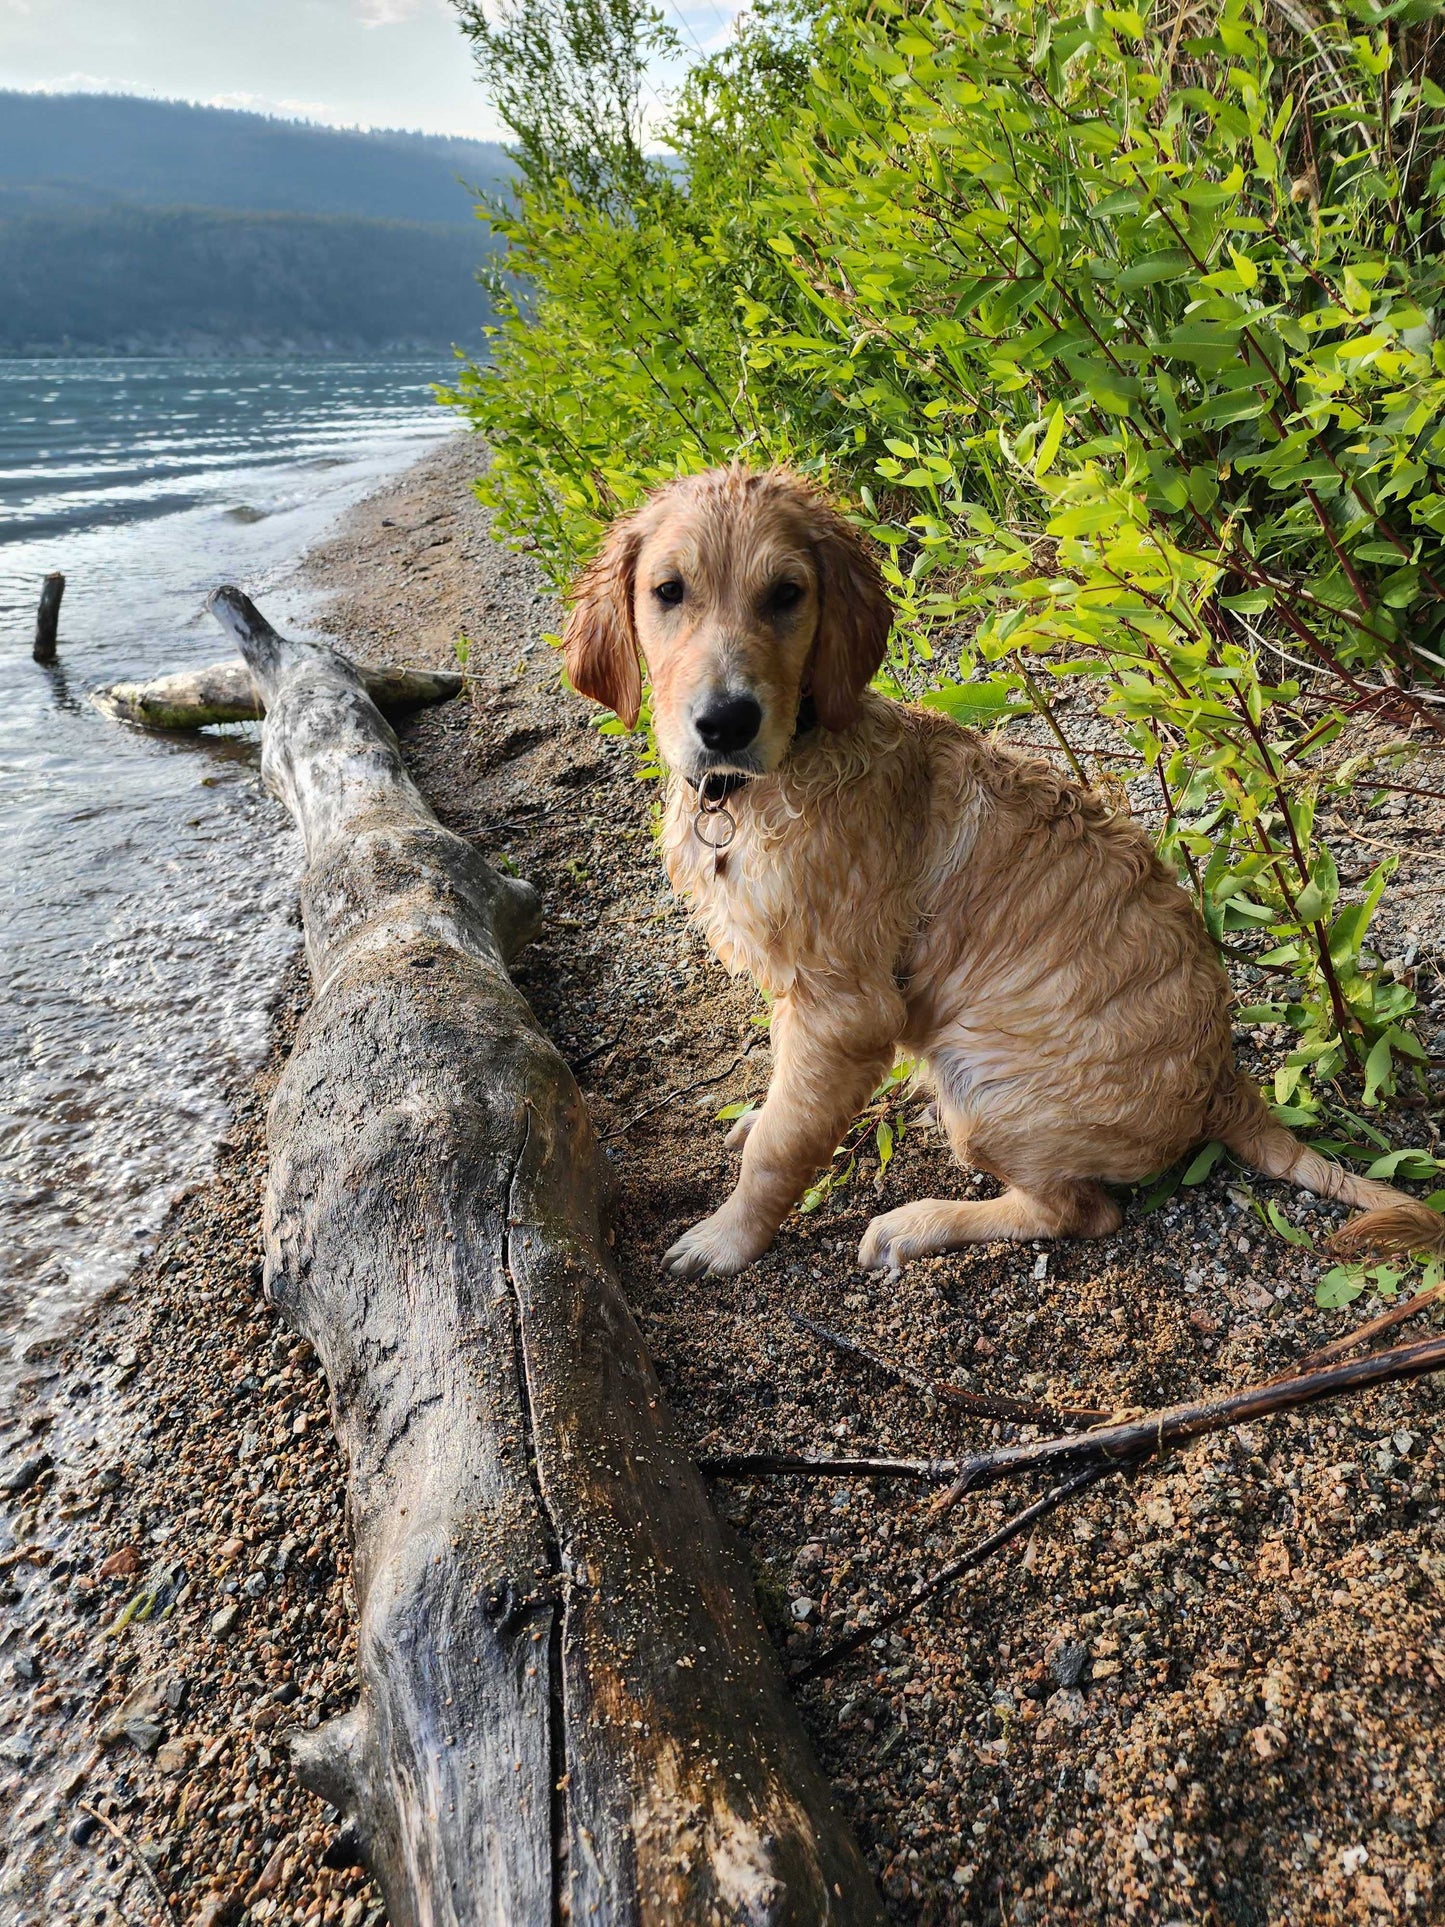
pixel 854 617
pixel 600 641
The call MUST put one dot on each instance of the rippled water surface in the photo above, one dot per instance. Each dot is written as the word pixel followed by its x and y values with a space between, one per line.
pixel 145 882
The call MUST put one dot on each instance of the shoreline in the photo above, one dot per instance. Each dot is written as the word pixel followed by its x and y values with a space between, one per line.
pixel 1210 1694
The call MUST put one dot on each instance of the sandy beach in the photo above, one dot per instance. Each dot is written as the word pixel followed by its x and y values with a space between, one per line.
pixel 1208 1694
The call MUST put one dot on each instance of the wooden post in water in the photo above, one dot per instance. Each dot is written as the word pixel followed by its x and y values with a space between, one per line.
pixel 47 617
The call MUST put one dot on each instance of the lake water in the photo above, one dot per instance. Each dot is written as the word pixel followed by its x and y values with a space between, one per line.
pixel 146 884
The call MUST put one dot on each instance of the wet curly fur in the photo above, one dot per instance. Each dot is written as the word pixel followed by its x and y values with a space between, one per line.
pixel 899 883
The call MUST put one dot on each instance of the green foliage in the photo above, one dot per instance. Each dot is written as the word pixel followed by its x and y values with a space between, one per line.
pixel 567 77
pixel 1121 340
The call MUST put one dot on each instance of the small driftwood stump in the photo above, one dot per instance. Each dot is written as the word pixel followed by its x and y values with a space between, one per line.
pixel 569 1709
pixel 47 618
pixel 225 693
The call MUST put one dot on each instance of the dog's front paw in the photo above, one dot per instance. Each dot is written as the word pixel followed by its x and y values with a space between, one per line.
pixel 719 1245
pixel 895 1237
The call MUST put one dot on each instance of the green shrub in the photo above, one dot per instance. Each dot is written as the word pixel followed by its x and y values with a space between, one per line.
pixel 1120 339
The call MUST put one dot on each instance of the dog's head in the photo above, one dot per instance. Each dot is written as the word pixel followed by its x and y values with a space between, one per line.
pixel 742 592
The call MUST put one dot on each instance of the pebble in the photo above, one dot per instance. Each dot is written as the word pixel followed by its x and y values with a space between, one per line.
pixel 26 1474
pixel 225 1622
pixel 1067 1665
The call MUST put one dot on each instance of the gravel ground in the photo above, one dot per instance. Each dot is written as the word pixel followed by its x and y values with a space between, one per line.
pixel 1208 1694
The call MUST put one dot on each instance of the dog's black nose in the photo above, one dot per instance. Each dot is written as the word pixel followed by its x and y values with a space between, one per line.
pixel 729 722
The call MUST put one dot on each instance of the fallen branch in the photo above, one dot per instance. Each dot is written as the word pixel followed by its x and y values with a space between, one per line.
pixel 1129 1442
pixel 1136 1440
pixel 823 1465
pixel 980 1404
pixel 569 1708
pixel 225 693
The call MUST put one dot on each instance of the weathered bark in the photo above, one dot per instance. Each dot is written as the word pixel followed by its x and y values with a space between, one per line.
pixel 224 693
pixel 569 1709
pixel 47 618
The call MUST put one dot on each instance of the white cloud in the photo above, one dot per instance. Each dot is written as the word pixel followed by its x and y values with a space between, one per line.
pixel 389 13
pixel 283 108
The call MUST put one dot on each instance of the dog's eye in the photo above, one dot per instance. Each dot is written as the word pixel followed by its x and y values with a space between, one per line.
pixel 784 596
pixel 669 592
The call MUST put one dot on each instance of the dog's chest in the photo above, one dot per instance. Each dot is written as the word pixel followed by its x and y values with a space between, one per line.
pixel 740 895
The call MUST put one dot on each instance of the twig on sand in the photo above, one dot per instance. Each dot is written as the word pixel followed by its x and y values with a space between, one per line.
pixel 984 1404
pixel 575 1063
pixel 1371 1329
pixel 702 1084
pixel 926 1589
pixel 824 1465
pixel 137 1856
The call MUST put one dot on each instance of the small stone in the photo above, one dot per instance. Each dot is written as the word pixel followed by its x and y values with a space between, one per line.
pixel 26 1474
pixel 803 1609
pixel 139 1710
pixel 19 1748
pixel 255 1585
pixel 219 1910
pixel 225 1622
pixel 1067 1665
pixel 82 1829
pixel 1270 1743
pixel 27 1666
pixel 270 1877
pixel 174 1756
pixel 121 1564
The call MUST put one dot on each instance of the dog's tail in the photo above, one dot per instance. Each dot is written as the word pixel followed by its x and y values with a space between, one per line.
pixel 1390 1224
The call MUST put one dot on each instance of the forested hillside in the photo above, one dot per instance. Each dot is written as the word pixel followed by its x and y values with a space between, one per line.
pixel 138 226
pixel 188 279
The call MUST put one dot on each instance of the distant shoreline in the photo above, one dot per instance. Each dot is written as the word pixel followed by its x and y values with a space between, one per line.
pixel 212 349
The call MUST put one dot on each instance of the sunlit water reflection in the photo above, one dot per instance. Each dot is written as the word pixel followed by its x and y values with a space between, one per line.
pixel 145 883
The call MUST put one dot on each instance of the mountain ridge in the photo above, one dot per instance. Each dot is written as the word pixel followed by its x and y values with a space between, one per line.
pixel 129 225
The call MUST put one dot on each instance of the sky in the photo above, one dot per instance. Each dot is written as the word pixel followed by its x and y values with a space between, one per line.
pixel 348 63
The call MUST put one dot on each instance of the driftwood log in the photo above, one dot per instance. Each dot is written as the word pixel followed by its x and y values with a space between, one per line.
pixel 225 693
pixel 569 1709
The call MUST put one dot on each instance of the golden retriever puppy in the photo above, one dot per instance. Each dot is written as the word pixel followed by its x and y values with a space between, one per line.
pixel 899 883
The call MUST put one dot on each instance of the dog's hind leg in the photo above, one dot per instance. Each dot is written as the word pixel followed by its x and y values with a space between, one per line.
pixel 1070 1208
